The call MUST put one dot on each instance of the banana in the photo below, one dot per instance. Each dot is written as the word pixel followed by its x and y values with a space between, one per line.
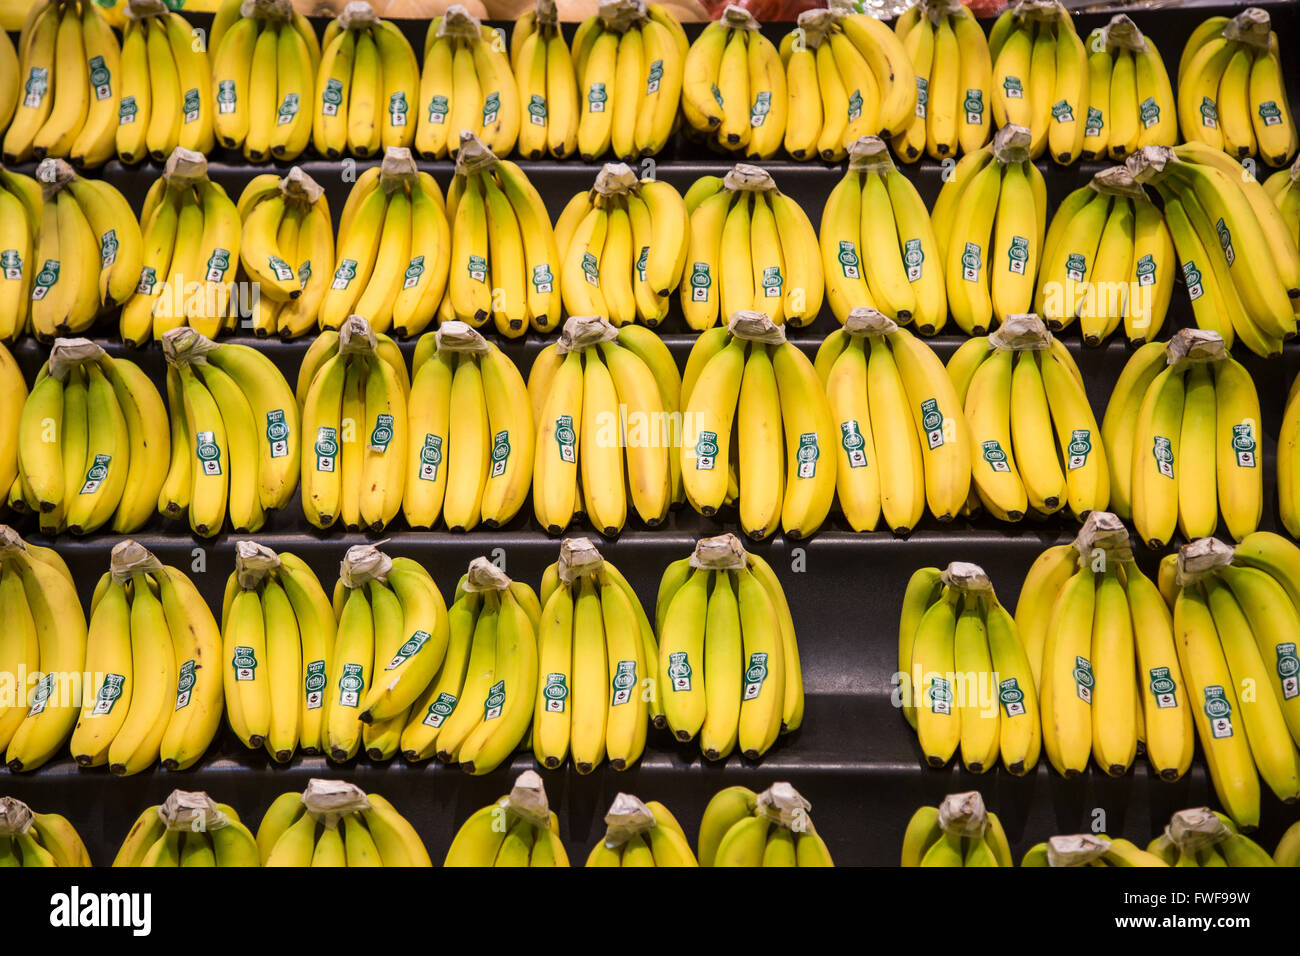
pixel 1066 682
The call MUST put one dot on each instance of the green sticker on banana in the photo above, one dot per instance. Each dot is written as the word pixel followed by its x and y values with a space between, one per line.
pixel 351 683
pixel 700 282
pixel 127 111
pixel 1243 445
pixel 596 98
pixel 543 279
pixel 344 274
pixel 441 708
pixel 1011 697
pixel 932 422
pixel 679 671
pixel 1219 711
pixel 850 264
pixel 331 98
pixel 439 107
pixel 244 663
pixel 491 107
pixel 807 455
pixel 313 685
pixel 500 453
pixel 1018 255
pixel 973 105
pixel 706 450
pixel 853 443
pixel 381 434
pixel 1149 112
pixel 11 264
pixel 37 85
pixel 755 675
pixel 1145 269
pixel 1163 687
pixel 277 433
pixel 495 701
pixel 1163 450
pixel 397 109
pixel 1093 123
pixel 1209 113
pixel 1013 89
pixel 1192 277
pixel 1288 669
pixel 110 691
pixel 409 649
pixel 45 280
pixel 288 110
pixel 101 80
pixel 762 105
pixel 1270 113
pixel 430 457
pixel 478 268
pixel 96 474
pixel 1083 679
pixel 1080 447
pixel 218 265
pixel 537 110
pixel 326 448
pixel 971 258
pixel 414 269
pixel 566 438
pixel 913 259
pixel 922 96
pixel 940 696
pixel 1225 241
pixel 185 682
pixel 1062 111
pixel 555 692
pixel 227 99
pixel 208 453
pixel 623 683
pixel 190 106
pixel 995 457
pixel 653 77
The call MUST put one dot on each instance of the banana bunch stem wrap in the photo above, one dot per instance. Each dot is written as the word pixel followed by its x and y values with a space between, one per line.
pixel 518 829
pixel 1202 837
pixel 770 829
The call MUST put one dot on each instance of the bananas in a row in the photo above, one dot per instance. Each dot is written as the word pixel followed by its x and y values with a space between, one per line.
pixel 151 652
pixel 92 443
pixel 959 832
pixel 605 405
pixel 337 824
pixel 188 829
pixel 1232 90
pixel 1182 436
pixel 519 829
pixel 597 665
pixel 622 247
pixel 1203 837
pixel 641 834
pixel 547 84
pixel 1035 443
pixel 278 631
pixel 772 828
pixel 954 81
pixel 235 442
pixel 1089 849
pixel 750 247
pixel 878 247
pixel 728 672
pixel 32 839
pixel 21 213
pixel 1130 99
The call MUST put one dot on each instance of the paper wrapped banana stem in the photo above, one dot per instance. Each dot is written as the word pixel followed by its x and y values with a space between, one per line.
pixel 752 326
pixel 67 354
pixel 965 578
pixel 1196 829
pixel 183 346
pixel 864 321
pixel 1022 332
pixel 614 179
pixel 1195 347
pixel 397 170
pixel 722 552
pixel 483 575
pixel 358 15
pixel 185 167
pixel 547 14
pixel 11 544
pixel 628 817
pixel 1121 33
pixel 1011 144
pixel 964 815
pixel 745 177
pixel 816 25
pixel 298 187
pixel 130 558
pixel 15 817
pixel 254 563
pixel 527 799
pixel 362 564
pixel 578 558
pixel 621 15
pixel 456 336
pixel 869 154
pixel 1048 11
pixel 738 18
pixel 936 10
pixel 54 176
pixel 191 811
pixel 275 11
pixel 1118 181
pixel 473 156
pixel 582 332
pixel 1077 849
pixel 459 24
pixel 330 800
pixel 1202 557
pixel 144 9
pixel 785 806
pixel 1103 535
pixel 356 337
pixel 1250 26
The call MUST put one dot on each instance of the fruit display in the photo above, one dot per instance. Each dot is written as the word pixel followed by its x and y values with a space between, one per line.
pixel 264 80
pixel 1130 99
pixel 750 246
pixel 1102 650
pixel 92 443
pixel 32 839
pixel 467 85
pixel 605 407
pixel 878 246
pixel 1235 621
pixel 1107 259
pixel 1181 433
pixel 21 211
pixel 960 831
pixel 1041 77
pixel 390 263
pixel 519 829
pixel 641 834
pixel 352 388
pixel 71 72
pixel 188 829
pixel 728 657
pixel 772 828
pixel 1089 849
pixel 150 640
pixel 1201 837
pixel 1034 439
pixel 235 442
pixel 490 663
pixel 390 614
pixel 954 81
pixel 547 84
pixel 44 637
pixel 906 442
pixel 333 823
pixel 966 678
pixel 989 221
pixel 463 383
pixel 1282 187
pixel 597 661
pixel 622 247
pixel 14 387
pixel 277 639
pixel 1232 91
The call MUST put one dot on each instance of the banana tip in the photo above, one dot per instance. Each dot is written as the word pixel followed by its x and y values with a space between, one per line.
pixel 171 764
pixel 936 761
pixel 1169 775
pixel 583 768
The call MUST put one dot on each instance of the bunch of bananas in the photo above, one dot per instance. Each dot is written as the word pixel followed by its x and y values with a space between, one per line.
pixel 1108 257
pixel 876 241
pixel 989 222
pixel 905 441
pixel 166 88
pixel 954 81
pixel 352 389
pixel 188 829
pixel 1240 261
pixel 71 74
pixel 235 442
pixel 1202 837
pixel 491 665
pixel 389 614
pixel 263 79
pixel 622 247
pixel 1089 849
pixel 32 839
pixel 390 263
pixel 1034 438
pixel 547 84
pixel 1235 619
pixel 641 834
pixel 966 676
pixel 504 257
pixel 772 828
pixel 21 211
pixel 596 658
pixel 959 832
pixel 286 248
pixel 1182 436
pixel 191 234
pixel 629 58
pixel 750 246
pixel 728 668
pixel 1282 187
pixel 1130 99
pixel 605 404
pixel 333 823
pixel 467 86
pixel 150 648
pixel 518 829
pixel 92 443
pixel 1231 89
pixel 42 649
pixel 14 387
pixel 278 632
pixel 1102 649
pixel 462 379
